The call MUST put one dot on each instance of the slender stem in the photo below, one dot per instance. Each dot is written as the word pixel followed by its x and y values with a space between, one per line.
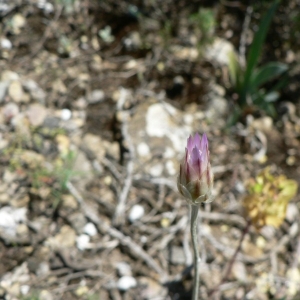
pixel 194 233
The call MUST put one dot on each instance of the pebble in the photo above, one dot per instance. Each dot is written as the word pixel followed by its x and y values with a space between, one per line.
pixel 21 125
pixel 124 269
pixel 36 114
pixel 218 52
pixel 90 229
pixel 83 242
pixel 126 282
pixel 22 230
pixel 265 124
pixel 30 158
pixel 66 114
pixel 5 44
pixel 65 238
pixel 133 41
pixel 136 212
pixel 63 144
pixel 15 91
pixel 152 289
pixel 45 295
pixel 95 96
pixel 17 22
pixel 10 110
pixel 77 220
pixel 160 123
pixel 10 217
pixel 170 167
pixel 143 149
pixel 82 166
pixel 37 94
pixel 46 6
pixel 292 212
pixel 82 291
pixel 68 201
pixel 177 256
pixel 184 53
pixel 239 271
pixel 43 269
pixel 217 108
pixel 8 75
pixel 156 170
pixel 3 89
pixel 24 289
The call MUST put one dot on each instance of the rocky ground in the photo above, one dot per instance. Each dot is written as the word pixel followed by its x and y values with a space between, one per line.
pixel 97 99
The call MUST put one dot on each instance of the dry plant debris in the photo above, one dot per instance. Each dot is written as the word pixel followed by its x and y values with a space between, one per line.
pixel 97 99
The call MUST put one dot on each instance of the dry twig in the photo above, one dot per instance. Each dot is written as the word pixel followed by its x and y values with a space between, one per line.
pixel 120 209
pixel 124 240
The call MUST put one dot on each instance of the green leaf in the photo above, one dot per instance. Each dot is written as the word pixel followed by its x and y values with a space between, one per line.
pixel 267 73
pixel 235 70
pixel 264 101
pixel 234 116
pixel 256 47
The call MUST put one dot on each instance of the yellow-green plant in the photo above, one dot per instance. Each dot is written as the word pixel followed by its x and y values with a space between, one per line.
pixel 265 204
pixel 267 199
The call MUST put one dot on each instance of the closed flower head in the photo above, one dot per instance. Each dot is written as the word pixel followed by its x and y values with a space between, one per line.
pixel 195 180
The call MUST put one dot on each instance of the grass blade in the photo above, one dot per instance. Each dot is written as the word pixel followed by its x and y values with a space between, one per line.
pixel 256 47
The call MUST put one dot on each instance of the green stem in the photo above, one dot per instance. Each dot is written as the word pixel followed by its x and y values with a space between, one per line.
pixel 194 233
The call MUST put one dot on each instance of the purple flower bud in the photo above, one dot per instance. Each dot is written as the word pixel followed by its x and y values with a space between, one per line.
pixel 195 180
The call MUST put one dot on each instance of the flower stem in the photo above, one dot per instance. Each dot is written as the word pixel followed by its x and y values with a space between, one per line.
pixel 194 233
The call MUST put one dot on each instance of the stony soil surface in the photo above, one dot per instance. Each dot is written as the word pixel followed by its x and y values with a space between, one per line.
pixel 97 99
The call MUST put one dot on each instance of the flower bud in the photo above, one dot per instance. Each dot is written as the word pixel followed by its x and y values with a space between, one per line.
pixel 195 180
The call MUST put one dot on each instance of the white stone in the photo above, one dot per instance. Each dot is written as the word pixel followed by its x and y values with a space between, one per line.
pixel 5 44
pixel 292 212
pixel 24 289
pixel 171 168
pixel 169 153
pixel 219 51
pixel 46 6
pixel 136 212
pixel 43 269
pixel 126 282
pixel 157 119
pixel 156 170
pixel 45 295
pixel 96 96
pixel 10 217
pixel 188 119
pixel 16 92
pixel 143 149
pixel 124 269
pixel 83 242
pixel 160 123
pixel 90 229
pixel 18 21
pixel 8 75
pixel 66 114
